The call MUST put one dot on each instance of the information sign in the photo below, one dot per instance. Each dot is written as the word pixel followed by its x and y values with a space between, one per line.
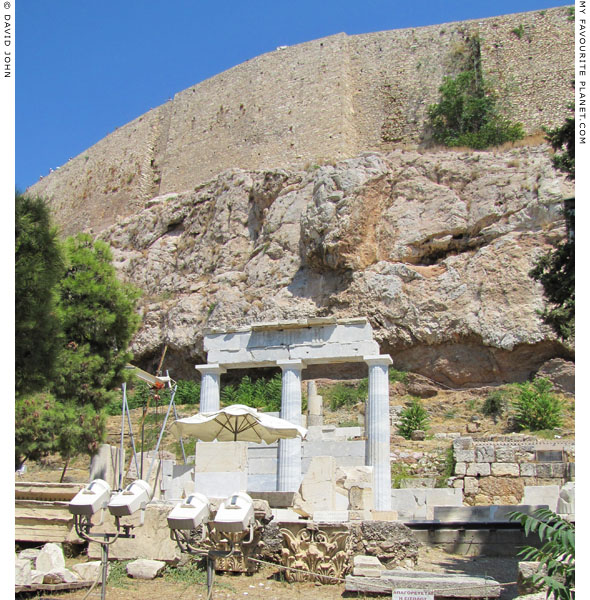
pixel 411 595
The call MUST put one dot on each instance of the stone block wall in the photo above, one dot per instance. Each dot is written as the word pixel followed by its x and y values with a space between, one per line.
pixel 108 181
pixel 496 472
pixel 323 100
pixel 397 74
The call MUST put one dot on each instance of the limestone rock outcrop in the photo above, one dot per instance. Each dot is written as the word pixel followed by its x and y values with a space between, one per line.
pixel 434 249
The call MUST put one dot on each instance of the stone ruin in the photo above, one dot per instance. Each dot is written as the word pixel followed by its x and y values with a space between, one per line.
pixel 293 346
pixel 324 502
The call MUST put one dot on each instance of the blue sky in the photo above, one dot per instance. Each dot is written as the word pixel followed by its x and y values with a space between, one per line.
pixel 84 68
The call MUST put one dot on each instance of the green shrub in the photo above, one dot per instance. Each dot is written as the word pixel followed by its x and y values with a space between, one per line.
pixel 448 468
pixel 187 392
pixel 557 554
pixel 535 406
pixel 117 574
pixel 399 472
pixel 189 573
pixel 518 31
pixel 395 375
pixel 450 462
pixel 413 417
pixel 495 403
pixel 466 114
pixel 340 395
pixel 263 394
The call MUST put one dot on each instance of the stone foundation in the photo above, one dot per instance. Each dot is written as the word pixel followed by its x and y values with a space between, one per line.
pixel 497 472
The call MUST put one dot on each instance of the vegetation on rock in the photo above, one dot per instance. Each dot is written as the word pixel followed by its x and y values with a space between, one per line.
pixel 495 403
pixel 563 141
pixel 343 395
pixel 467 113
pixel 264 394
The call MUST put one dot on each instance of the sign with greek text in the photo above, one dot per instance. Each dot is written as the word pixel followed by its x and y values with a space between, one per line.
pixel 411 595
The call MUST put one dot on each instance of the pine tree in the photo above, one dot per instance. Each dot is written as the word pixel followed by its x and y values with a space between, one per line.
pixel 98 319
pixel 38 267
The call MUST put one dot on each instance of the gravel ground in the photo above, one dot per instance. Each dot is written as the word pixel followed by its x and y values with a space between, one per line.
pixel 268 584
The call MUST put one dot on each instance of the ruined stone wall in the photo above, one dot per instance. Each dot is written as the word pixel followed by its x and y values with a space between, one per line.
pixel 112 179
pixel 492 472
pixel 280 108
pixel 322 100
pixel 527 57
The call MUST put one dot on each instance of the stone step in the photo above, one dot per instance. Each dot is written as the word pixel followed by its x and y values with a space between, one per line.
pixel 48 492
pixel 493 513
pixel 443 586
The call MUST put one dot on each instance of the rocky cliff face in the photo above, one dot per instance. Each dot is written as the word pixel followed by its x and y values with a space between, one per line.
pixel 433 248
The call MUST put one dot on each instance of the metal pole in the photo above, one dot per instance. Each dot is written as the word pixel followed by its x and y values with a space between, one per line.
pixel 105 565
pixel 131 435
pixel 142 430
pixel 210 565
pixel 181 442
pixel 161 435
pixel 122 434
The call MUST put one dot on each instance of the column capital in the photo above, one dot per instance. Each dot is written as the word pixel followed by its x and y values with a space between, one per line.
pixel 378 359
pixel 291 363
pixel 211 368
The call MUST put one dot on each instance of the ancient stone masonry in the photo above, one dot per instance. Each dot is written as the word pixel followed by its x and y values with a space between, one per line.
pixel 327 99
pixel 292 346
pixel 497 472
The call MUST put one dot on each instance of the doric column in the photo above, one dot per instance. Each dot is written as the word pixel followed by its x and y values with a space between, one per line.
pixel 377 429
pixel 210 375
pixel 289 463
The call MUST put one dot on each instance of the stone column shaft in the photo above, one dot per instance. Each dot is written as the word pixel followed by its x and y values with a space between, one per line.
pixel 210 375
pixel 378 430
pixel 289 455
pixel 314 405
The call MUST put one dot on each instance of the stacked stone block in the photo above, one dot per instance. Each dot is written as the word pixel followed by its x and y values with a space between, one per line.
pixel 496 472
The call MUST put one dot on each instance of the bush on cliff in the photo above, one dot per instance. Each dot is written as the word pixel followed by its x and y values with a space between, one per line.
pixel 467 115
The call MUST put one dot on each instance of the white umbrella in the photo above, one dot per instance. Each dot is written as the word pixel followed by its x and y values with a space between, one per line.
pixel 237 423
